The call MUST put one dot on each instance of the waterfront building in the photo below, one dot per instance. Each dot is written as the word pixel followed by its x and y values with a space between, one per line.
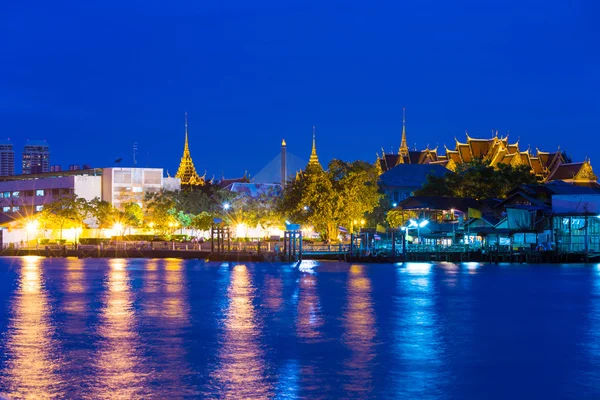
pixel 36 157
pixel 130 185
pixel 7 159
pixel 186 172
pixel 547 166
pixel 24 195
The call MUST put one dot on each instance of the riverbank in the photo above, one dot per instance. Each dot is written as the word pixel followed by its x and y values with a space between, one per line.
pixel 246 256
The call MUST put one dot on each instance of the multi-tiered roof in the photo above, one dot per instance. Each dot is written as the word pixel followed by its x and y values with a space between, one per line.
pixel 547 166
pixel 187 172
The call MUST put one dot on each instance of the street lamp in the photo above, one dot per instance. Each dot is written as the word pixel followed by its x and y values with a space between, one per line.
pixel 31 227
pixel 226 206
pixel 418 225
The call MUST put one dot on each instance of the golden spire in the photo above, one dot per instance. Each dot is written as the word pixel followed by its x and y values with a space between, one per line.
pixel 314 160
pixel 403 145
pixel 186 171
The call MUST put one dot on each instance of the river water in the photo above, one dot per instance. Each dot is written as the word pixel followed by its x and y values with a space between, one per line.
pixel 116 328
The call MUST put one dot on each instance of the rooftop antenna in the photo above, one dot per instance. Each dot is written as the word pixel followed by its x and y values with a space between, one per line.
pixel 134 151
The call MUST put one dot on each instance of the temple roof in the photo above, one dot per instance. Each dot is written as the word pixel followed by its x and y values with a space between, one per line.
pixel 574 171
pixel 186 171
pixel 314 159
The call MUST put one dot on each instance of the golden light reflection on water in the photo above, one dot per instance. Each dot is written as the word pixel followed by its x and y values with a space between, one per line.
pixel 273 293
pixel 119 358
pixel 241 370
pixel 309 320
pixel 32 367
pixel 359 333
pixel 175 306
pixel 75 288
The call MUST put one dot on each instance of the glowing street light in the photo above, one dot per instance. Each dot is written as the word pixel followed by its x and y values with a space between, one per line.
pixel 226 206
pixel 31 227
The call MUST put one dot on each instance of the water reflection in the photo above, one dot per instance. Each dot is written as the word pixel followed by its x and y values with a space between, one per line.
pixel 359 334
pixel 32 366
pixel 119 360
pixel 273 298
pixel 170 307
pixel 417 338
pixel 241 372
pixel 75 300
pixel 309 320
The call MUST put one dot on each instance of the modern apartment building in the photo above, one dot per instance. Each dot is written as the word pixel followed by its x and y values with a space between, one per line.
pixel 7 159
pixel 36 157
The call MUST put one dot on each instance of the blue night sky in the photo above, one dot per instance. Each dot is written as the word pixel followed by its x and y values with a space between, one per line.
pixel 93 79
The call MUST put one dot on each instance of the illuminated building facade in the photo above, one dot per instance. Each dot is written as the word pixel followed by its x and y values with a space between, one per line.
pixel 24 195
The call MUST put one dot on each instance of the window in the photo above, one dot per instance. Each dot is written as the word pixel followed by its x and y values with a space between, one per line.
pixel 39 192
pixel 152 177
pixel 15 209
pixel 15 194
pixel 6 209
pixel 55 192
pixel 39 208
pixel 122 177
pixel 137 190
pixel 6 195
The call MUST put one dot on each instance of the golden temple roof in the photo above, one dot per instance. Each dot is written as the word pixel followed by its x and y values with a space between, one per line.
pixel 186 171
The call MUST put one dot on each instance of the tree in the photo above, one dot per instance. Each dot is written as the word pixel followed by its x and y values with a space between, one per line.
pixel 479 180
pixel 202 221
pixel 160 208
pixel 102 212
pixel 67 209
pixel 328 199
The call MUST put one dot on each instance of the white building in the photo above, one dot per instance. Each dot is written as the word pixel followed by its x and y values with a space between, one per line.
pixel 24 195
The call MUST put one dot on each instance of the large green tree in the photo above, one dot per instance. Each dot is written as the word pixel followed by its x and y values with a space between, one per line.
pixel 66 210
pixel 345 193
pixel 478 180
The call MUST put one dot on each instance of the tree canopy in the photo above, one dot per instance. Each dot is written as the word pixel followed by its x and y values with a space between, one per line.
pixel 346 192
pixel 478 180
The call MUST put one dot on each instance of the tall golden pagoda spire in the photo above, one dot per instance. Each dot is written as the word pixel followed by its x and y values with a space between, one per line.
pixel 403 151
pixel 314 159
pixel 187 172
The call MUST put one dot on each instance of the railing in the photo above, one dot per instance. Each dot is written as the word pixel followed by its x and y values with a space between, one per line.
pixel 325 248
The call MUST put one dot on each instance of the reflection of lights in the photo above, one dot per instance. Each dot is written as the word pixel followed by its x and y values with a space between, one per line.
pixel 29 347
pixel 418 268
pixel 472 265
pixel 241 371
pixel 308 266
pixel 118 354
pixel 359 332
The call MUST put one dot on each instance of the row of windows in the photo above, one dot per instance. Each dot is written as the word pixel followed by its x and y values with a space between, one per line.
pixel 17 209
pixel 36 193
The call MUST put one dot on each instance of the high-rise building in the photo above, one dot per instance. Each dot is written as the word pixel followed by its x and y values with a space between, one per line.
pixel 36 157
pixel 7 159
